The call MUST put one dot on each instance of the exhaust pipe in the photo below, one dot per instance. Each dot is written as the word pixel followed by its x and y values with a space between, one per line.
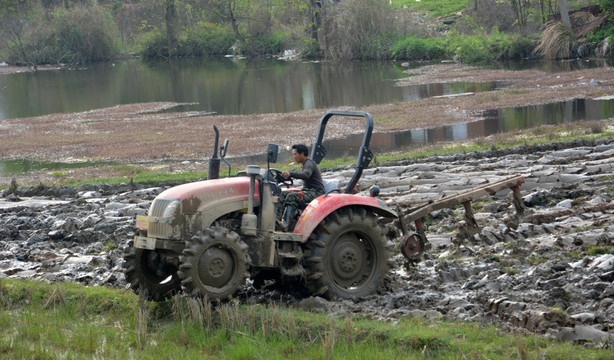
pixel 214 162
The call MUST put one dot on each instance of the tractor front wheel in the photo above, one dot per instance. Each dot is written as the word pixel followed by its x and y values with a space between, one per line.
pixel 151 273
pixel 346 255
pixel 214 264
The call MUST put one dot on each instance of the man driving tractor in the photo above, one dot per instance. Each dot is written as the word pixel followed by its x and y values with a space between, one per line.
pixel 312 184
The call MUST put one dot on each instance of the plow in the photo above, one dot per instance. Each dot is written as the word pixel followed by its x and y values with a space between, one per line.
pixel 413 244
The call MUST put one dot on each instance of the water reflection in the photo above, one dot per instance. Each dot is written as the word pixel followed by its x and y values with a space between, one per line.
pixel 222 86
pixel 495 121
pixel 216 86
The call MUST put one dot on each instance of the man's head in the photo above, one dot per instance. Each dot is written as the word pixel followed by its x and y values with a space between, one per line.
pixel 299 153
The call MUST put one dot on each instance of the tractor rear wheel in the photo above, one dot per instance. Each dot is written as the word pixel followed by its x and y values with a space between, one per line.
pixel 214 264
pixel 346 255
pixel 149 273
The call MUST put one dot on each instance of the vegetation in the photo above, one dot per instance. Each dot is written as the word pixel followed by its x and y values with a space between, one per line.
pixel 80 33
pixel 48 321
pixel 435 8
pixel 595 250
pixel 36 32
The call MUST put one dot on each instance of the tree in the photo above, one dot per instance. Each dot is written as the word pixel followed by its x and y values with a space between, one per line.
pixel 171 26
pixel 250 20
pixel 14 22
pixel 315 7
pixel 564 13
pixel 521 10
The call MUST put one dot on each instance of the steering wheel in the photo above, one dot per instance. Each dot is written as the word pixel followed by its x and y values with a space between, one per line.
pixel 279 178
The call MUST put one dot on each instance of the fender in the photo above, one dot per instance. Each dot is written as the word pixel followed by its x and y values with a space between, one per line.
pixel 324 205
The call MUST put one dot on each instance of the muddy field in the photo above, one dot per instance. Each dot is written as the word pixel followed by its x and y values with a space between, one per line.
pixel 135 133
pixel 548 270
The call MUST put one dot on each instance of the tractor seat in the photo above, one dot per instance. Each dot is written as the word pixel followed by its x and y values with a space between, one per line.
pixel 331 185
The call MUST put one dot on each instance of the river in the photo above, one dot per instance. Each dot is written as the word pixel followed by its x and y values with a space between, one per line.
pixel 225 86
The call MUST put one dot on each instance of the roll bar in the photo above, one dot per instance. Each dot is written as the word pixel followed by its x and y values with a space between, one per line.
pixel 364 155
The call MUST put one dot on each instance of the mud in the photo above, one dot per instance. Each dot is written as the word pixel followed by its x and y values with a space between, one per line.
pixel 548 270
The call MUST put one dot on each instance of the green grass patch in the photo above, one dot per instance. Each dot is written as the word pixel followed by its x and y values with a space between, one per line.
pixel 414 48
pixel 435 8
pixel 59 174
pixel 40 320
pixel 595 250
pixel 145 177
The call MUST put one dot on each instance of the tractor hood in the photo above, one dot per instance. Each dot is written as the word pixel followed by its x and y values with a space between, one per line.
pixel 194 195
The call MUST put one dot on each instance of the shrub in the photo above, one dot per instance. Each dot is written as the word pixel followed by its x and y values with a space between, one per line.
pixel 309 48
pixel 556 42
pixel 484 48
pixel 268 44
pixel 82 33
pixel 520 47
pixel 414 48
pixel 211 39
pixel 153 45
pixel 208 39
pixel 360 29
pixel 471 49
pixel 204 40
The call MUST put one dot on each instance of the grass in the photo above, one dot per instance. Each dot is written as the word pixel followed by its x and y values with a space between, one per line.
pixel 143 177
pixel 595 250
pixel 49 321
pixel 435 8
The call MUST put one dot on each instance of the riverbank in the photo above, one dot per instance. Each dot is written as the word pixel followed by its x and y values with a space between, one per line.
pixel 139 134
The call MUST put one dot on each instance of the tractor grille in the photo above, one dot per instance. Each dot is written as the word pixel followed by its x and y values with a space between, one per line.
pixel 158 207
pixel 158 230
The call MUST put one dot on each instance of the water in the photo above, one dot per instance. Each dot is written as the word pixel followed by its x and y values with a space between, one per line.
pixel 496 121
pixel 222 86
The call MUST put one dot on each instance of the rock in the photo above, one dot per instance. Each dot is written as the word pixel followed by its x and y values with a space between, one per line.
pixel 314 303
pixel 584 333
pixel 603 262
pixel 583 318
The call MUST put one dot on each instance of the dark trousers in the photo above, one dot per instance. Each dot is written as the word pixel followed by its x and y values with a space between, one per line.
pixel 291 198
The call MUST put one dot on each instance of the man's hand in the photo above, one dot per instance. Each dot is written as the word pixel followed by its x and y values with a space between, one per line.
pixel 286 174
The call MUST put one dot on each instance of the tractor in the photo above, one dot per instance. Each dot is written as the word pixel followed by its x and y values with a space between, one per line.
pixel 207 237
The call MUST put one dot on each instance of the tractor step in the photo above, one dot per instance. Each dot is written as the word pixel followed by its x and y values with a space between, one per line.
pixel 291 262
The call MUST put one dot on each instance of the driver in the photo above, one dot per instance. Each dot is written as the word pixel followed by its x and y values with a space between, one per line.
pixel 312 183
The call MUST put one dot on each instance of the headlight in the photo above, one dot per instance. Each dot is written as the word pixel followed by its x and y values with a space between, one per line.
pixel 172 210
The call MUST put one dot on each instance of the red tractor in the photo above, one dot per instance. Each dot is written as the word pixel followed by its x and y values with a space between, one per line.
pixel 208 237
